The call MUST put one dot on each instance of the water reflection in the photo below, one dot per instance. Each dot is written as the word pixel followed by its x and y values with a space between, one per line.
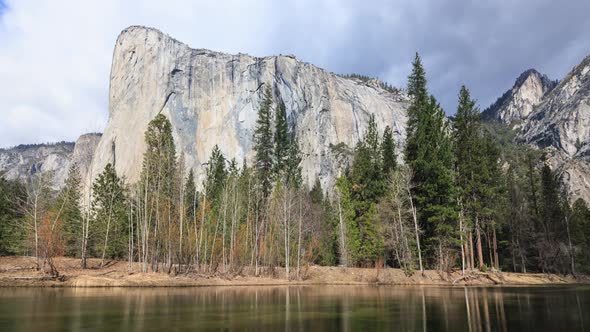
pixel 318 308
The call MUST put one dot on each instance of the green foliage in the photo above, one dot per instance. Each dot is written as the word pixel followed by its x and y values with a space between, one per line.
pixel 281 139
pixel 109 214
pixel 216 175
pixel 389 158
pixel 190 195
pixel 429 153
pixel 159 161
pixel 293 164
pixel 12 194
pixel 68 202
pixel 478 177
pixel 580 230
pixel 364 188
pixel 263 144
pixel 353 241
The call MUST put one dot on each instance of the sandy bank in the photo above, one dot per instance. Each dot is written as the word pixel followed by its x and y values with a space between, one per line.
pixel 20 271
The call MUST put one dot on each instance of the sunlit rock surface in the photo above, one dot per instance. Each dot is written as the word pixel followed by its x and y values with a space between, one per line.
pixel 212 99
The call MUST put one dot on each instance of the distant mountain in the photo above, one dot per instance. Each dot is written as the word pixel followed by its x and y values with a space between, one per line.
pixel 518 103
pixel 560 123
pixel 23 161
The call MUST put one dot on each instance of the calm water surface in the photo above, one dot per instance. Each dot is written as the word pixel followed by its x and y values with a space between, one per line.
pixel 312 308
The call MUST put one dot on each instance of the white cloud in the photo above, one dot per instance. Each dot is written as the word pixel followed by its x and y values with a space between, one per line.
pixel 55 55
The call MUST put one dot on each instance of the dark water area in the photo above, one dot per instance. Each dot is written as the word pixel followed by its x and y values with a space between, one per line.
pixel 309 308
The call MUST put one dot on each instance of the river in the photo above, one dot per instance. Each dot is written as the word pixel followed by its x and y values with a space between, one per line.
pixel 305 308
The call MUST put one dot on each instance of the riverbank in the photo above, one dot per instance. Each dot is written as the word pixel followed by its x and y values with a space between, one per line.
pixel 21 272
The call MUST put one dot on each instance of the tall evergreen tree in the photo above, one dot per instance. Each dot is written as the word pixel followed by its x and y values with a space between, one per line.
pixel 68 202
pixel 292 164
pixel 281 139
pixel 216 174
pixel 12 194
pixel 580 233
pixel 159 191
pixel 190 196
pixel 388 156
pixel 109 214
pixel 159 163
pixel 470 161
pixel 367 185
pixel 263 144
pixel 416 110
pixel 430 156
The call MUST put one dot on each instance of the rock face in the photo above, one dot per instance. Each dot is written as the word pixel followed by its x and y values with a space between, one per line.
pixel 212 98
pixel 84 149
pixel 561 124
pixel 517 103
pixel 24 161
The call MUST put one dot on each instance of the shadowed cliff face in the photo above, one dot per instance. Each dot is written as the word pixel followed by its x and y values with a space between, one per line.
pixel 213 98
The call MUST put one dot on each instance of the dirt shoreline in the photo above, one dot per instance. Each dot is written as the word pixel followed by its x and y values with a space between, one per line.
pixel 21 272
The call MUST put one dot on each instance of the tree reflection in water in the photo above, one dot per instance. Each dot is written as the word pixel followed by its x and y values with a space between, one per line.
pixel 318 308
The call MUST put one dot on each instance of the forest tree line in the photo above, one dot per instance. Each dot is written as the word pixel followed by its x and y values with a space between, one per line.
pixel 464 198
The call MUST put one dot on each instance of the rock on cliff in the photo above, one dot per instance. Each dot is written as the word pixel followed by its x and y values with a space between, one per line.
pixel 517 103
pixel 24 161
pixel 212 98
pixel 561 124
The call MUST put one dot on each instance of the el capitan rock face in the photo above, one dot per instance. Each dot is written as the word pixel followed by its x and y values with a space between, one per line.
pixel 212 98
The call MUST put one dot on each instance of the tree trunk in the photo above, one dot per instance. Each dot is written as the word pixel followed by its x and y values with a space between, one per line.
pixel 570 247
pixel 343 252
pixel 496 259
pixel 479 245
pixel 416 230
pixel 286 231
pixel 471 250
pixel 299 239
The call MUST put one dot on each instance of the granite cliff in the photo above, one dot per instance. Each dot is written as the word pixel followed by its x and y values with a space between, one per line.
pixel 517 103
pixel 24 161
pixel 212 98
pixel 560 123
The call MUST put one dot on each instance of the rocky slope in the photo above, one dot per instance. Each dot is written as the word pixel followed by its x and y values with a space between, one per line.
pixel 24 161
pixel 561 124
pixel 517 103
pixel 212 98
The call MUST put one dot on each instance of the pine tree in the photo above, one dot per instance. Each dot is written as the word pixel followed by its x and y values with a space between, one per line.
pixel 68 202
pixel 472 154
pixel 580 230
pixel 12 193
pixel 416 110
pixel 159 163
pixel 263 144
pixel 190 196
pixel 350 242
pixel 216 174
pixel 388 156
pixel 429 154
pixel 159 191
pixel 292 164
pixel 367 185
pixel 109 214
pixel 282 140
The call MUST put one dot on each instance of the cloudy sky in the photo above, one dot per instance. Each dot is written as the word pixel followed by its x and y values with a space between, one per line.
pixel 55 55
